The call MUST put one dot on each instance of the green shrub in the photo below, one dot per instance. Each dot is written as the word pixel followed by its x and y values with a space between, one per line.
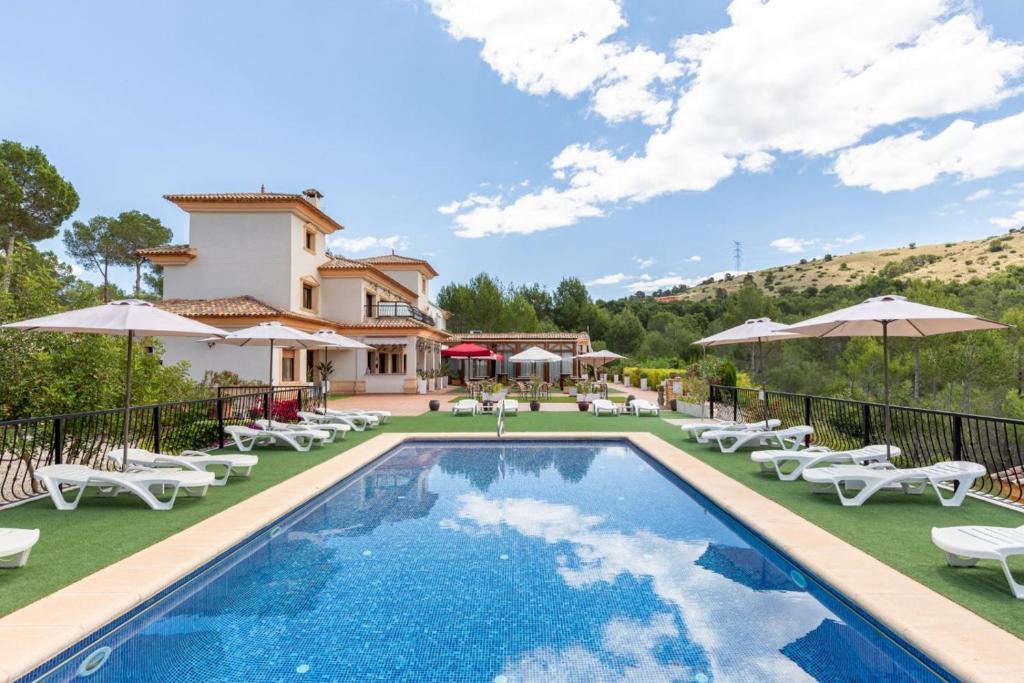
pixel 195 435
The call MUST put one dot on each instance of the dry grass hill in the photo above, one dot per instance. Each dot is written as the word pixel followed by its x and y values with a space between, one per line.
pixel 952 261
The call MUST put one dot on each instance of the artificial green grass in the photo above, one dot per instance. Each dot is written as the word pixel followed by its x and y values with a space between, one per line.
pixel 554 398
pixel 892 527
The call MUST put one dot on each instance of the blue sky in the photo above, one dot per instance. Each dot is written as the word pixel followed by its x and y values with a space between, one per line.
pixel 622 142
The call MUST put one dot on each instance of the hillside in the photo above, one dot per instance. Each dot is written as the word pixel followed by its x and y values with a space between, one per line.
pixel 952 261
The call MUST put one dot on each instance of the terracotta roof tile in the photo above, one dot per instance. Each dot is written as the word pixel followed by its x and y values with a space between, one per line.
pixel 168 249
pixel 249 197
pixel 340 263
pixel 219 308
pixel 398 260
pixel 475 336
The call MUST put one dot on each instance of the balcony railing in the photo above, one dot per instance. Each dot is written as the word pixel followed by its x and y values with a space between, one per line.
pixel 398 309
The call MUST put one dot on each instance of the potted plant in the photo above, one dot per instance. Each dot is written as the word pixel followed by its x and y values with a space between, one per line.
pixel 534 405
pixel 431 380
pixel 583 406
pixel 421 382
pixel 325 368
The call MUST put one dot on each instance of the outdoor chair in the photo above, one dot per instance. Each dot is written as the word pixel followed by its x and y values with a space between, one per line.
pixel 696 430
pixel 234 464
pixel 603 406
pixel 965 545
pixel 246 438
pixel 642 407
pixel 730 441
pixel 870 479
pixel 466 406
pixel 777 461
pixel 140 482
pixel 15 546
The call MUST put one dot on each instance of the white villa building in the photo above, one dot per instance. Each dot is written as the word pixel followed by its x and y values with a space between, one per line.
pixel 262 256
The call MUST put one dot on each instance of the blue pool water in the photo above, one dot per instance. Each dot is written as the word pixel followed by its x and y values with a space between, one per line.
pixel 500 561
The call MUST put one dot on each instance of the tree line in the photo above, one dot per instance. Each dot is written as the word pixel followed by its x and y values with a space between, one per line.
pixel 45 374
pixel 981 372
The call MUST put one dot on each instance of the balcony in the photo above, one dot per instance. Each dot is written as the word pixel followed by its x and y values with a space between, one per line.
pixel 398 309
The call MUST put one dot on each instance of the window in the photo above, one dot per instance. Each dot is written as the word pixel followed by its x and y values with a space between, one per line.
pixel 307 297
pixel 311 375
pixel 396 365
pixel 369 305
pixel 287 365
pixel 309 243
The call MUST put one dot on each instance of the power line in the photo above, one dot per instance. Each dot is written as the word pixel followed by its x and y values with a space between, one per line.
pixel 737 253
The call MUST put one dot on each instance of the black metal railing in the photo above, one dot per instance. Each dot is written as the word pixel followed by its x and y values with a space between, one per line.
pixel 397 309
pixel 86 438
pixel 923 436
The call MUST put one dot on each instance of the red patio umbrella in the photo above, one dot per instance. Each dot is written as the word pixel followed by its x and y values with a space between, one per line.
pixel 465 350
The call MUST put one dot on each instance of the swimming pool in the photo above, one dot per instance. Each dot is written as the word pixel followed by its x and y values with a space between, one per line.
pixel 499 561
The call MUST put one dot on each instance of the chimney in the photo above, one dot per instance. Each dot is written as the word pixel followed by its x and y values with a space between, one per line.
pixel 313 196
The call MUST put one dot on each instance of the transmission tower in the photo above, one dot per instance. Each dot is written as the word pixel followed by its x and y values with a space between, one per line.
pixel 737 253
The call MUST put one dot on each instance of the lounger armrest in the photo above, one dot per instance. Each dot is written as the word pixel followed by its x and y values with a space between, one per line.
pixel 881 466
pixel 201 454
pixel 818 449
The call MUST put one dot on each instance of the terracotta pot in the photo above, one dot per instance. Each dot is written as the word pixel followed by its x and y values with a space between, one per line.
pixel 583 406
pixel 535 405
pixel 435 405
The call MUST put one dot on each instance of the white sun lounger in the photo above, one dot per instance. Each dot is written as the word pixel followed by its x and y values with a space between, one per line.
pixel 602 406
pixel 245 438
pixel 730 440
pixel 696 430
pixel 870 479
pixel 140 482
pixel 381 415
pixel 510 406
pixel 234 464
pixel 15 546
pixel 642 407
pixel 965 545
pixel 319 433
pixel 357 421
pixel 466 406
pixel 817 455
pixel 314 421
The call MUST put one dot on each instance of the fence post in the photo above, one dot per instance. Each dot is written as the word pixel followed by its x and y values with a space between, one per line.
pixel 156 429
pixel 807 418
pixel 865 422
pixel 711 401
pixel 299 396
pixel 735 404
pixel 58 441
pixel 220 419
pixel 958 437
pixel 267 398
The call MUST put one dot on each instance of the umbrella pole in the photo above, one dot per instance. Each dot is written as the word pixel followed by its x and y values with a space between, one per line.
pixel 270 384
pixel 760 374
pixel 885 375
pixel 127 401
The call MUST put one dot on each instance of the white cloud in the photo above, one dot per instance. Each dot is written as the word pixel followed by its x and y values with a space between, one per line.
pixel 694 259
pixel 357 245
pixel 563 47
pixel 792 245
pixel 470 201
pixel 963 149
pixel 613 279
pixel 750 93
pixel 593 553
pixel 1016 220
pixel 648 284
pixel 643 263
pixel 977 195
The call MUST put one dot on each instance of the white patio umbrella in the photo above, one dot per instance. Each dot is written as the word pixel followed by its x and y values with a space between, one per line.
pixel 753 331
pixel 599 358
pixel 890 316
pixel 126 318
pixel 333 340
pixel 534 355
pixel 272 335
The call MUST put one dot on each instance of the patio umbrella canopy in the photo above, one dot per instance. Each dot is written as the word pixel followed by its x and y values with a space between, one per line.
pixel 465 350
pixel 272 335
pixel 332 339
pixel 124 318
pixel 890 316
pixel 534 355
pixel 599 358
pixel 753 331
